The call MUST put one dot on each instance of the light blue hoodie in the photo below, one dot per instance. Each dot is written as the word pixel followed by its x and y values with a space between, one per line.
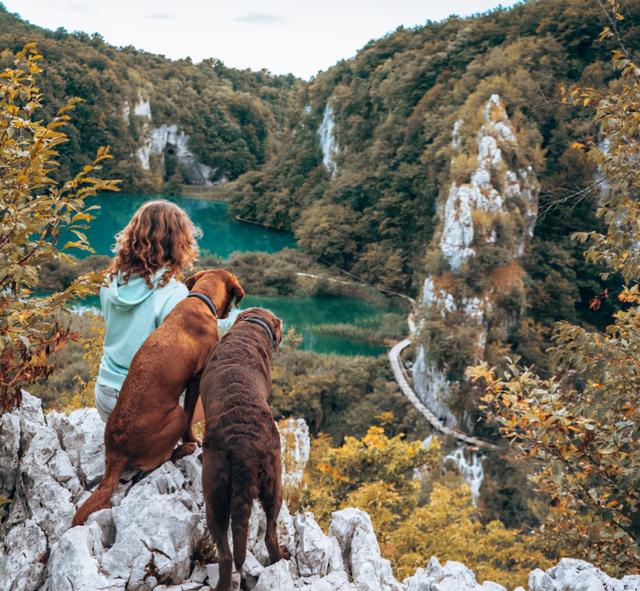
pixel 132 311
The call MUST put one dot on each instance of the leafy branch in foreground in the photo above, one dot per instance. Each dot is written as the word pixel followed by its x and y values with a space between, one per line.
pixel 36 212
pixel 580 428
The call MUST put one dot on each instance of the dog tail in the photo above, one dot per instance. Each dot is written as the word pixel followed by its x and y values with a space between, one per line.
pixel 101 497
pixel 243 492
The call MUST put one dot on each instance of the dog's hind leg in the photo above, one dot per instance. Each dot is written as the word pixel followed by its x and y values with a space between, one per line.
pixel 217 494
pixel 271 500
pixel 244 489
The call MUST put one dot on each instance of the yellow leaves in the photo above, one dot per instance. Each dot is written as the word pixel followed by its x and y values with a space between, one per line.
pixel 40 209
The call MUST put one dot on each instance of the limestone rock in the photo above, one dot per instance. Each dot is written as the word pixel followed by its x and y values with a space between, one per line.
pixel 156 531
pixel 453 576
pixel 154 535
pixel 577 575
pixel 83 438
pixel 296 446
pixel 74 563
pixel 22 556
pixel 276 577
pixel 361 552
pixel 313 548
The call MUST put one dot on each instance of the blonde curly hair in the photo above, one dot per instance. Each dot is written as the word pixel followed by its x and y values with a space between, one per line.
pixel 160 235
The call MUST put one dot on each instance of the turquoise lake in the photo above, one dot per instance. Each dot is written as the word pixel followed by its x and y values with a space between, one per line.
pixel 223 235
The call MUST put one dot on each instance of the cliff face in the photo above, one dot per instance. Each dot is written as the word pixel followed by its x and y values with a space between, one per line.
pixel 154 536
pixel 473 294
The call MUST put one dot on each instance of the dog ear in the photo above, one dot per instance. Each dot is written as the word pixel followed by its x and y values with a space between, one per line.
pixel 237 291
pixel 191 281
pixel 278 334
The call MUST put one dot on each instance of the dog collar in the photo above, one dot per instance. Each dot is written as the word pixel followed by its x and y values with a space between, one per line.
pixel 207 300
pixel 263 324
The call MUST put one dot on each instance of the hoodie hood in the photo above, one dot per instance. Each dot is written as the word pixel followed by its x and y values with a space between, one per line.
pixel 134 291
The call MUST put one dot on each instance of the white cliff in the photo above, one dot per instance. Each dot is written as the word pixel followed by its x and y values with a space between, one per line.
pixel 154 537
pixel 491 186
pixel 328 142
pixel 156 139
pixel 470 214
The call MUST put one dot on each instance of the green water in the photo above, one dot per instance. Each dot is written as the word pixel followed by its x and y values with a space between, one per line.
pixel 222 235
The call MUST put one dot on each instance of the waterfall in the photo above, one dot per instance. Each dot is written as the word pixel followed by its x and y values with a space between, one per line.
pixel 471 470
pixel 328 142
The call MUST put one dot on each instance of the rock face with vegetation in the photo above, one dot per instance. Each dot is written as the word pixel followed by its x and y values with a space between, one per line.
pixel 154 536
pixel 167 122
pixel 474 292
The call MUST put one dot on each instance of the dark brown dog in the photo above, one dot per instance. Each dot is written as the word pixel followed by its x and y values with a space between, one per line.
pixel 148 421
pixel 241 455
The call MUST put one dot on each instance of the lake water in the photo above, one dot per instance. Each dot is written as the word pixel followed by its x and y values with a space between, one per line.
pixel 222 235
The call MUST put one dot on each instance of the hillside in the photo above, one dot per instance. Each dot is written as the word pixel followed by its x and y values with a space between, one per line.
pixel 440 162
pixel 167 122
pixel 369 145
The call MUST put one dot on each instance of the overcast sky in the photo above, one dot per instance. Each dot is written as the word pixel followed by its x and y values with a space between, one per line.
pixel 298 36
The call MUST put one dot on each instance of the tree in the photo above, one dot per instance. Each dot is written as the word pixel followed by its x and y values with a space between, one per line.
pixel 36 213
pixel 379 475
pixel 580 427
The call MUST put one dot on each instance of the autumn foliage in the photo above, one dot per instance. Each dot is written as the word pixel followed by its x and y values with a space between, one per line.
pixel 578 428
pixel 37 212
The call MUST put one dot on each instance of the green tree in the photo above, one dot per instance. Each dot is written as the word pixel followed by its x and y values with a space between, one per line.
pixel 35 213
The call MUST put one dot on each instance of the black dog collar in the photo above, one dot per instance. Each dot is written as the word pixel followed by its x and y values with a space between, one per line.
pixel 263 324
pixel 206 299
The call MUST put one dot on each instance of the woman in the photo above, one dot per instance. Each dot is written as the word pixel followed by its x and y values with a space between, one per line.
pixel 152 252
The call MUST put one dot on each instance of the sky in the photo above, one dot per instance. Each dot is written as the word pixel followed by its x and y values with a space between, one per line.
pixel 283 36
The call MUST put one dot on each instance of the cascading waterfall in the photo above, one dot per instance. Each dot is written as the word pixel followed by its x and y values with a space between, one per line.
pixel 471 469
pixel 328 142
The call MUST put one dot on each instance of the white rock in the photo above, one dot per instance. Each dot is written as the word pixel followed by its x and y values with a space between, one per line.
pixel 577 575
pixel 73 564
pixel 22 557
pixel 361 552
pixel 157 529
pixel 313 548
pixel 453 576
pixel 9 448
pixel 541 581
pixel 257 527
pixel 213 574
pixel 49 502
pixel 276 577
pixel 296 446
pixel 83 439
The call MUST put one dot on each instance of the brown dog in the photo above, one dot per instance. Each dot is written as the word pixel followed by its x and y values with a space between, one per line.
pixel 241 455
pixel 148 421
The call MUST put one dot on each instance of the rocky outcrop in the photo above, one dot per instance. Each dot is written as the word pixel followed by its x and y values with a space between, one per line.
pixel 296 446
pixel 154 536
pixel 487 219
pixel 157 140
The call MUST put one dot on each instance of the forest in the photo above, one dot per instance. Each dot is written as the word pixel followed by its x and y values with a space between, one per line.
pixel 358 163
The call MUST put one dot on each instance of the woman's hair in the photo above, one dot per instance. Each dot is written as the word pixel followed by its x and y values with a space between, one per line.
pixel 160 235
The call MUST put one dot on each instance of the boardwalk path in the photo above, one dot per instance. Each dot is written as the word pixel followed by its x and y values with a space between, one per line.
pixel 402 379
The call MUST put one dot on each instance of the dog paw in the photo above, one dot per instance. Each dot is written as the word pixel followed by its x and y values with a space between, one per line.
pixel 183 450
pixel 285 553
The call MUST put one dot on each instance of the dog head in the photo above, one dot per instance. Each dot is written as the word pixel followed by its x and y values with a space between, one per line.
pixel 274 323
pixel 220 285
